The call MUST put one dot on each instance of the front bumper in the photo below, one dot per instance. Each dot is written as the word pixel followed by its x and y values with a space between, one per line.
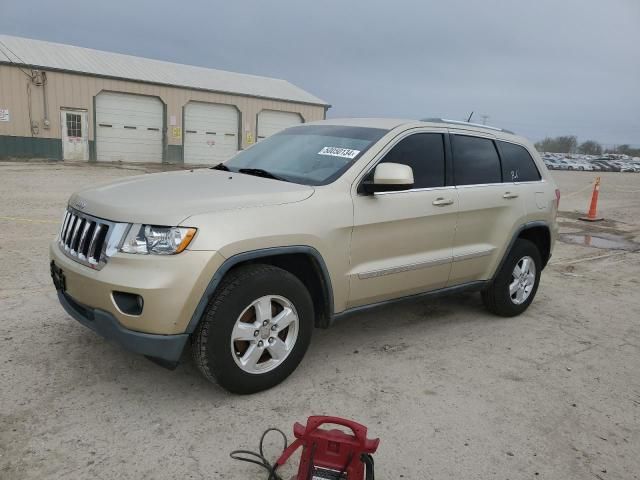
pixel 165 347
pixel 170 285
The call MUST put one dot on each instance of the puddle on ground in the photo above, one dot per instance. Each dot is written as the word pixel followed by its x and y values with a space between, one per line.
pixel 600 240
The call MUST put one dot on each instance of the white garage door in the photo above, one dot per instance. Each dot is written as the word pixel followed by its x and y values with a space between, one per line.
pixel 128 128
pixel 210 133
pixel 271 121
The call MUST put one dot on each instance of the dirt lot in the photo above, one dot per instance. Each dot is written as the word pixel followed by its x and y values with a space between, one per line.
pixel 453 392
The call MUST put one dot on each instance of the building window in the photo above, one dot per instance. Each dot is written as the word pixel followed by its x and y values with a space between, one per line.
pixel 74 125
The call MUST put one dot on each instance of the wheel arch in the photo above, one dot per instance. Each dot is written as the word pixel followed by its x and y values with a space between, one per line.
pixel 303 261
pixel 537 232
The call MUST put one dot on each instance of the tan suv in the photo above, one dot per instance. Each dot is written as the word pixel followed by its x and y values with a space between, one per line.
pixel 309 225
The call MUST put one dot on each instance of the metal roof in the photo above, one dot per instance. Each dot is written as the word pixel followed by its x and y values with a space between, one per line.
pixel 56 56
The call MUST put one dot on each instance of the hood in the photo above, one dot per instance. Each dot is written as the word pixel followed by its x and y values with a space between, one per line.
pixel 169 198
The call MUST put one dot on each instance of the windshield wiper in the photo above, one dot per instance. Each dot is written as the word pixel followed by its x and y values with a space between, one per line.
pixel 221 166
pixel 259 172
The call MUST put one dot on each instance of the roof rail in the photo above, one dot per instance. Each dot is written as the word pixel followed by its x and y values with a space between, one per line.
pixel 460 122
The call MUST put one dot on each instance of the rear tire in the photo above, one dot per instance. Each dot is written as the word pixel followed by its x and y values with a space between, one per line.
pixel 516 284
pixel 234 347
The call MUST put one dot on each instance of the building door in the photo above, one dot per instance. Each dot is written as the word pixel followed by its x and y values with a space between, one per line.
pixel 129 128
pixel 210 132
pixel 272 121
pixel 75 138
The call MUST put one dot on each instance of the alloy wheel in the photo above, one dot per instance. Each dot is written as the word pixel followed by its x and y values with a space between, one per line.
pixel 264 334
pixel 523 280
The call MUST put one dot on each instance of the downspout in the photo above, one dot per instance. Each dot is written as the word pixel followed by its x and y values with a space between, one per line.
pixel 46 123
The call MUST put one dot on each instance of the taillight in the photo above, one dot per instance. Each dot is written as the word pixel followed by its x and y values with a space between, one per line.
pixel 557 198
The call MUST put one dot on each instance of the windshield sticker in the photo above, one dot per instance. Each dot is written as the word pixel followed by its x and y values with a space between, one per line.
pixel 339 152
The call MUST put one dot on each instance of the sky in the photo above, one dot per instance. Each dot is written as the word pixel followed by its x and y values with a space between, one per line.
pixel 540 68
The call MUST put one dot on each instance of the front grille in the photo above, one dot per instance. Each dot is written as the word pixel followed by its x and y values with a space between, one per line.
pixel 84 238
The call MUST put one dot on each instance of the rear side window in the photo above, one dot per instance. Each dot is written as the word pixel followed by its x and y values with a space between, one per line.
pixel 475 160
pixel 517 164
pixel 424 153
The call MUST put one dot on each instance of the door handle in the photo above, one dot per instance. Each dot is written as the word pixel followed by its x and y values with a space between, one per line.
pixel 441 202
pixel 510 195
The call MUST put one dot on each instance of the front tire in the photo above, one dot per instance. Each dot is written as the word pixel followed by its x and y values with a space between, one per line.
pixel 516 284
pixel 255 330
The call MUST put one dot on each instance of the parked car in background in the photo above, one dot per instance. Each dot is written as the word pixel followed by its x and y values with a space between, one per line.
pixel 607 165
pixel 581 164
pixel 625 165
pixel 576 164
pixel 596 167
pixel 600 163
pixel 552 163
pixel 563 164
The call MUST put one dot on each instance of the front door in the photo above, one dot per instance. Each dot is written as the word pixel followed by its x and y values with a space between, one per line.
pixel 75 135
pixel 402 241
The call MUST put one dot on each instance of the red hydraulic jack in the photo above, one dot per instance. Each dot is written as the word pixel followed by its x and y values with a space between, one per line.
pixel 332 454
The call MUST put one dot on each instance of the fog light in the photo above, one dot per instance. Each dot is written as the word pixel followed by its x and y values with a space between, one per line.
pixel 128 303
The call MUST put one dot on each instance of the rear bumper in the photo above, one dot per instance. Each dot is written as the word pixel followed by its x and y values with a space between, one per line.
pixel 165 347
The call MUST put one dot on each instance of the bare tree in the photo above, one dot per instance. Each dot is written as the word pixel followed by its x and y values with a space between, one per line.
pixel 565 144
pixel 590 147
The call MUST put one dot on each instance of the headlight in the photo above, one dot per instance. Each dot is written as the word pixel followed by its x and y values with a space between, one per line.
pixel 147 239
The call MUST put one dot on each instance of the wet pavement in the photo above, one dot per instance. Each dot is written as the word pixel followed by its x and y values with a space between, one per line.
pixel 600 240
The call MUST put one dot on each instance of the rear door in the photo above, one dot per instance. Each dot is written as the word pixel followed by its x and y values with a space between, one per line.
pixel 401 242
pixel 490 207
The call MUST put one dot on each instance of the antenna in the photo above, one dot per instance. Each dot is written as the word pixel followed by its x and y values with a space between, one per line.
pixel 470 115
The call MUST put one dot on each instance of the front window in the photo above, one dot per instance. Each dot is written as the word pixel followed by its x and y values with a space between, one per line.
pixel 308 154
pixel 424 153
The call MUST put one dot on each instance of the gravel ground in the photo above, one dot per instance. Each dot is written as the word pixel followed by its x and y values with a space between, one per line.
pixel 452 391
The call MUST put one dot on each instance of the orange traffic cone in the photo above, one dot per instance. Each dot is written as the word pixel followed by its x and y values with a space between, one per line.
pixel 591 216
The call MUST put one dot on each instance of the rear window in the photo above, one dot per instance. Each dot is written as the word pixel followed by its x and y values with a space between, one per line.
pixel 475 161
pixel 517 164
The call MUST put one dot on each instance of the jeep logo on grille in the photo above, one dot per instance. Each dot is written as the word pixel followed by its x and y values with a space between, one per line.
pixel 81 204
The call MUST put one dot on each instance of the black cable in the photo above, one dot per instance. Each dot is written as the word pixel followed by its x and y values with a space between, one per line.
pixel 13 62
pixel 367 459
pixel 259 458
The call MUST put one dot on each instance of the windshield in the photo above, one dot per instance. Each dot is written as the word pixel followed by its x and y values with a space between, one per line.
pixel 307 154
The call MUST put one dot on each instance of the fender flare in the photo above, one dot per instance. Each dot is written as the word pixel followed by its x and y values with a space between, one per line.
pixel 230 262
pixel 516 234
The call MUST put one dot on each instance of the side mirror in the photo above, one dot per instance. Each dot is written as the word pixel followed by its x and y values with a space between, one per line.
pixel 389 177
